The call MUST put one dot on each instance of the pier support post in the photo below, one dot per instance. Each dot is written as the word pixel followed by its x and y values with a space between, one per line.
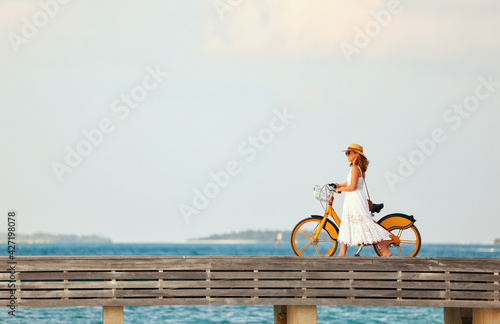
pixel 279 314
pixel 452 315
pixel 457 315
pixel 301 314
pixel 485 315
pixel 112 315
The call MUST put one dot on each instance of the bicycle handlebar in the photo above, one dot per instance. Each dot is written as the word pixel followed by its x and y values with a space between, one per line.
pixel 334 186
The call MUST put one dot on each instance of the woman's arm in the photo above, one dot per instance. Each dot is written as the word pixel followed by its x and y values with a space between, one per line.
pixel 354 181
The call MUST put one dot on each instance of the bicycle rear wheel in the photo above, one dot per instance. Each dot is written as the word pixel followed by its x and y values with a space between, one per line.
pixel 302 239
pixel 409 242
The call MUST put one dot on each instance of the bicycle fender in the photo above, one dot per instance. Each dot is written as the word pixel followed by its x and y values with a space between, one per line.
pixel 393 221
pixel 329 226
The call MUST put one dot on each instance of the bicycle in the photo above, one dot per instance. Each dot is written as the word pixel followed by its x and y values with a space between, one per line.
pixel 317 235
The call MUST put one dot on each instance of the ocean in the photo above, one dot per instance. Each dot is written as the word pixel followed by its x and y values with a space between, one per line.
pixel 232 313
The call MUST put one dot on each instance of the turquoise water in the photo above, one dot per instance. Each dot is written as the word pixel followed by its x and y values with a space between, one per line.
pixel 228 314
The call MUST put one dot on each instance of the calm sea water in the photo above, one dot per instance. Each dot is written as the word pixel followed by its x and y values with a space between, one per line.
pixel 228 314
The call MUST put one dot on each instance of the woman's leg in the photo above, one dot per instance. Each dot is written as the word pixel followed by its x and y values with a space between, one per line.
pixel 343 249
pixel 385 250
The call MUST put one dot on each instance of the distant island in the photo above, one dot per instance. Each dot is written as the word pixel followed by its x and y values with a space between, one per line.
pixel 53 238
pixel 247 236
pixel 497 241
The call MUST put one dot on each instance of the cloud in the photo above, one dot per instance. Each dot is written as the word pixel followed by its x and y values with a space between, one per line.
pixel 291 28
pixel 296 28
pixel 11 13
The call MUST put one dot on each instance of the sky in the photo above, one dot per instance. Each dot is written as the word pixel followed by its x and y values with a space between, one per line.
pixel 163 121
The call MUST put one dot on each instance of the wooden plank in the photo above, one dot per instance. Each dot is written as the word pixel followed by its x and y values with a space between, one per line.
pixel 87 284
pixel 89 275
pixel 261 292
pixel 93 294
pixel 432 296
pixel 252 258
pixel 96 275
pixel 449 276
pixel 310 276
pixel 424 285
pixel 355 275
pixel 261 263
pixel 202 274
pixel 297 274
pixel 381 284
pixel 251 301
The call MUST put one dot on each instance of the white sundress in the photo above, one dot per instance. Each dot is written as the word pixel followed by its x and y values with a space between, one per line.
pixel 357 226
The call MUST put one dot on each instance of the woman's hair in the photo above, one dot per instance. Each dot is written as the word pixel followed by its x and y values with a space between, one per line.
pixel 362 162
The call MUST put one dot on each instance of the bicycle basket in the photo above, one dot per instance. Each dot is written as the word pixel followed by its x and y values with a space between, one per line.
pixel 322 194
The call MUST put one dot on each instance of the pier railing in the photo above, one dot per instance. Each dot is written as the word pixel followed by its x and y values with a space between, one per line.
pixel 465 287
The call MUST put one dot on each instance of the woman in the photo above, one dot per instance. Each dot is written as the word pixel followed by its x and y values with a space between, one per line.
pixel 357 225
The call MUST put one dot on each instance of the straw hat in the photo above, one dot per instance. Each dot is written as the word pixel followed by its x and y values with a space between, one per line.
pixel 355 148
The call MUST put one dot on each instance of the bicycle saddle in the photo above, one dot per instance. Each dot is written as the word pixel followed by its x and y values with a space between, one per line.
pixel 377 208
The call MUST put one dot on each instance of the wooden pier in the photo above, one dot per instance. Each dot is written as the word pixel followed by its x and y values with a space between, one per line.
pixel 467 288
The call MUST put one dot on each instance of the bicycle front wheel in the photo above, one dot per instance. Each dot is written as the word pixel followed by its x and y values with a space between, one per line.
pixel 408 243
pixel 302 239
